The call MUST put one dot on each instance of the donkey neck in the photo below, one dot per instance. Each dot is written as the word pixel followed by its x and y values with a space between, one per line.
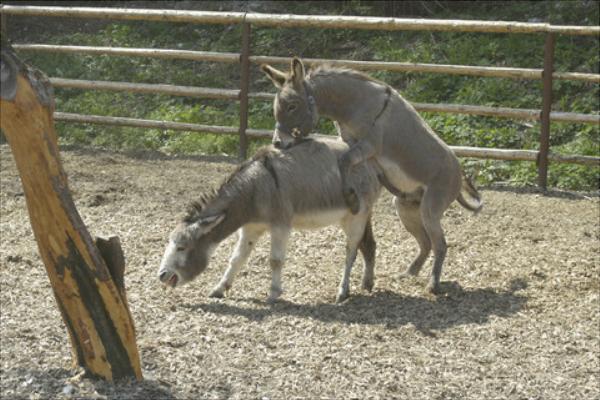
pixel 235 199
pixel 345 95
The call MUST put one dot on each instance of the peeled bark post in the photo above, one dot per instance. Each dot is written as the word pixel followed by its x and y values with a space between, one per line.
pixel 91 300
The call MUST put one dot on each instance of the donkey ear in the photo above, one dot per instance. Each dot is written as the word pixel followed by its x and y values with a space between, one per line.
pixel 205 225
pixel 274 75
pixel 297 70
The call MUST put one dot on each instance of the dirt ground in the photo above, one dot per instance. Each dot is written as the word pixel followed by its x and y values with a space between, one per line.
pixel 519 317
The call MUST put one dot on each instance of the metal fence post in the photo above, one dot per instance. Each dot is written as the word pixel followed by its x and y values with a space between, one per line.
pixel 244 88
pixel 546 108
pixel 4 24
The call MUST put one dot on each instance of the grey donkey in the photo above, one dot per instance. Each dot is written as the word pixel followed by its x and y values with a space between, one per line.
pixel 276 191
pixel 416 166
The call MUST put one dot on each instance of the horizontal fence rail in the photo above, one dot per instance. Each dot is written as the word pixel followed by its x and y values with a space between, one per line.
pixel 244 58
pixel 154 124
pixel 302 21
pixel 498 72
pixel 461 151
pixel 504 112
pixel 233 94
pixel 154 88
pixel 133 52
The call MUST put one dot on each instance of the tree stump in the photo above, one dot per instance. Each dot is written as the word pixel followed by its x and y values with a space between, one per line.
pixel 91 300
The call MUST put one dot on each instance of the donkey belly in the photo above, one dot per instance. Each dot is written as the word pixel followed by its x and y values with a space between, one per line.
pixel 398 177
pixel 318 219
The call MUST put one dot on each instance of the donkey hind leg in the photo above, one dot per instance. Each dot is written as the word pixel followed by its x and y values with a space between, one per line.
pixel 279 238
pixel 248 236
pixel 354 227
pixel 409 212
pixel 432 209
pixel 367 247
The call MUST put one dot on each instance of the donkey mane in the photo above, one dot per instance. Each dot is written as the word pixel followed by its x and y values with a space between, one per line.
pixel 327 70
pixel 195 208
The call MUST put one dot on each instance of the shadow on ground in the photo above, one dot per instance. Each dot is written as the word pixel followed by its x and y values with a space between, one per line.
pixel 64 383
pixel 456 306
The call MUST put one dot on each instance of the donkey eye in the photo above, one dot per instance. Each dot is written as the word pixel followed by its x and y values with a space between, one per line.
pixel 292 108
pixel 180 248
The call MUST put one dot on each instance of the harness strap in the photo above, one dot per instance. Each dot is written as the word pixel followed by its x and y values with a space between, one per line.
pixel 388 93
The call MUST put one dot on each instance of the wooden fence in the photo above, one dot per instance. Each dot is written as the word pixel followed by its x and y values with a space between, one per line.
pixel 245 59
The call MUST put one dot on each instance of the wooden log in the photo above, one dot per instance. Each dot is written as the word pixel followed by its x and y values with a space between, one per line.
pixel 377 23
pixel 574 159
pixel 472 70
pixel 576 76
pixel 517 113
pixel 143 123
pixel 186 16
pixel 211 56
pixel 92 306
pixel 502 112
pixel 172 90
pixel 168 54
pixel 559 116
pixel 307 21
pixel 461 151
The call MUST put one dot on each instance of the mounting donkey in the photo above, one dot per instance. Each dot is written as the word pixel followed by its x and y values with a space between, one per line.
pixel 276 191
pixel 417 166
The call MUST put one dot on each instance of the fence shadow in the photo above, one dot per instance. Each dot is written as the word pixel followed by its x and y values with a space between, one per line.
pixel 148 155
pixel 550 192
pixel 456 306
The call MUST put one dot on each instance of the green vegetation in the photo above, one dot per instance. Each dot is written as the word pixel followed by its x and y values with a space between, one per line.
pixel 573 53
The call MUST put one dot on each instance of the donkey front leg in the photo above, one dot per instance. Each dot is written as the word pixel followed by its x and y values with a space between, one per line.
pixel 358 153
pixel 279 238
pixel 354 227
pixel 248 236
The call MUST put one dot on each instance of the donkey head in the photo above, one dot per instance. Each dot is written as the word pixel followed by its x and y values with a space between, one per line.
pixel 294 106
pixel 188 252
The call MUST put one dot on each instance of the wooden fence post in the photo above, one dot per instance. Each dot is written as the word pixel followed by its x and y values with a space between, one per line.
pixel 546 109
pixel 244 88
pixel 90 298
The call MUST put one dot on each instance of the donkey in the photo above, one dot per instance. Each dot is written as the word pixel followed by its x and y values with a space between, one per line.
pixel 276 191
pixel 418 168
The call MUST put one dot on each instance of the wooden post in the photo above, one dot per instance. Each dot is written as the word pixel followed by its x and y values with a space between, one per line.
pixel 545 114
pixel 91 300
pixel 244 88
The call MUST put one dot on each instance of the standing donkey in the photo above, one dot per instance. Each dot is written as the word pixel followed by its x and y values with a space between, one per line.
pixel 418 168
pixel 276 190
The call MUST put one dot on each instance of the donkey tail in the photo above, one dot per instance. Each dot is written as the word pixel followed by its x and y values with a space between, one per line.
pixel 469 197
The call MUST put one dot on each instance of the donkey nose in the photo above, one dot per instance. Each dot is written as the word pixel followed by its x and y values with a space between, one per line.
pixel 277 143
pixel 162 276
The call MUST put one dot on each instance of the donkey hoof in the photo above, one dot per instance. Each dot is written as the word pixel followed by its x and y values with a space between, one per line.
pixel 434 288
pixel 275 293
pixel 352 200
pixel 272 299
pixel 367 285
pixel 341 297
pixel 408 274
pixel 216 294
